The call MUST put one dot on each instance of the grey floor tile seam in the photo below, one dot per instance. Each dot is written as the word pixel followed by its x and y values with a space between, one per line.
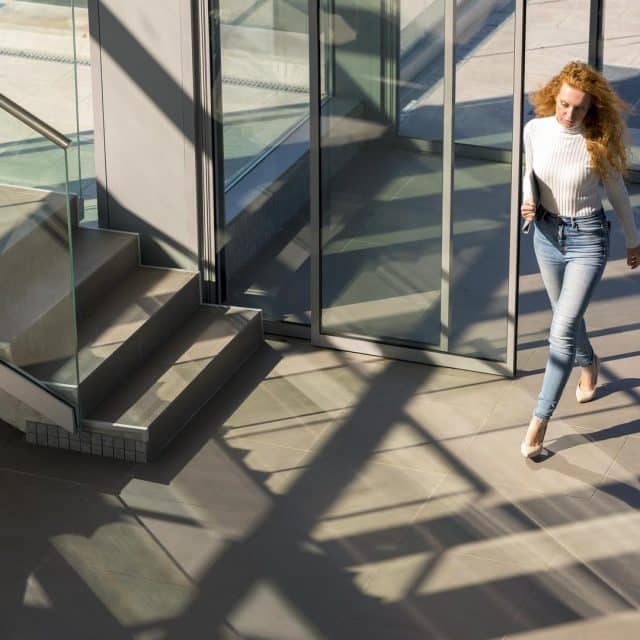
pixel 311 420
pixel 504 536
pixel 618 454
pixel 135 576
pixel 416 504
pixel 428 499
pixel 593 570
pixel 88 485
pixel 156 541
pixel 606 410
pixel 417 469
pixel 547 567
pixel 449 474
pixel 158 544
pixel 614 460
pixel 256 437
pixel 588 564
pixel 39 476
pixel 541 494
pixel 540 527
pixel 199 505
pixel 481 429
pixel 333 424
pixel 384 463
pixel 404 467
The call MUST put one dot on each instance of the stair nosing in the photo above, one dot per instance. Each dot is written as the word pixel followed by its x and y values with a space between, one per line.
pixel 138 328
pixel 211 359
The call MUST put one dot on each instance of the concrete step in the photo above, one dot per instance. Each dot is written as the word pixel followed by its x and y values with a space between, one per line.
pixel 31 219
pixel 37 303
pixel 123 329
pixel 102 258
pixel 158 399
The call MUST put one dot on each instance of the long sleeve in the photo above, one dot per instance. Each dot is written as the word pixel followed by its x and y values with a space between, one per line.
pixel 619 198
pixel 527 181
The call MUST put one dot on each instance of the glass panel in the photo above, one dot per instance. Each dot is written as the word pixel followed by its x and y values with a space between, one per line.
pixel 484 73
pixel 420 91
pixel 87 186
pixel 381 200
pixel 41 42
pixel 556 33
pixel 37 308
pixel 622 60
pixel 482 179
pixel 265 104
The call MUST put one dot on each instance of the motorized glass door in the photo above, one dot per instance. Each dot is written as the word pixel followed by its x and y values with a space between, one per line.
pixel 415 150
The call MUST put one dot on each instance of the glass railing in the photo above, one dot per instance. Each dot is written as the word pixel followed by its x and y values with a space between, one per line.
pixel 46 67
pixel 37 281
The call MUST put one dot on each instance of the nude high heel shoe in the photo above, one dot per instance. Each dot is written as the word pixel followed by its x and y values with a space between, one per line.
pixel 538 428
pixel 587 396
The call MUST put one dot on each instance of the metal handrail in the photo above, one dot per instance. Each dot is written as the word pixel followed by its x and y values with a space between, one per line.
pixel 34 122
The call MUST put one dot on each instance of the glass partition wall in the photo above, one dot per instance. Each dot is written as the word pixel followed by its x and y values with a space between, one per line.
pixel 263 94
pixel 38 327
pixel 415 189
pixel 368 187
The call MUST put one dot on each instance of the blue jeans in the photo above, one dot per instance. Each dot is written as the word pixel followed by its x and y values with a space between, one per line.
pixel 571 257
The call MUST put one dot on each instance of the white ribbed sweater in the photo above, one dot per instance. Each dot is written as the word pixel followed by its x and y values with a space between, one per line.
pixel 567 183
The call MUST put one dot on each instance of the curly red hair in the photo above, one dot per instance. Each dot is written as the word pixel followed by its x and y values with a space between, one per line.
pixel 605 130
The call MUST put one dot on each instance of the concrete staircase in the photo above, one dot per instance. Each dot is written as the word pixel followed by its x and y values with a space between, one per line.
pixel 149 353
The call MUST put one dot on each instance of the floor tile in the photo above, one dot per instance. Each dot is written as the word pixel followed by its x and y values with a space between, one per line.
pixel 618 625
pixel 574 464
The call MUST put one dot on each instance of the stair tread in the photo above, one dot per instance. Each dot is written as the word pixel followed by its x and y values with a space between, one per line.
pixel 92 249
pixel 117 317
pixel 150 390
pixel 23 211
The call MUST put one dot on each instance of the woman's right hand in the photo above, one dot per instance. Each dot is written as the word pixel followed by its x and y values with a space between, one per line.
pixel 528 210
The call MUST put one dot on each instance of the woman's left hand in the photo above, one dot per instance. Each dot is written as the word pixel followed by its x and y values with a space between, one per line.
pixel 633 257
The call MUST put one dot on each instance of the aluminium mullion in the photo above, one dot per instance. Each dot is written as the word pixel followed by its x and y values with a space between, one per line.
pixel 315 165
pixel 516 177
pixel 205 141
pixel 447 171
pixel 596 35
pixel 409 354
pixel 218 155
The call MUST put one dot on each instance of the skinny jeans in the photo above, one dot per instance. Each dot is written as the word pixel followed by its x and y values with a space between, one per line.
pixel 572 254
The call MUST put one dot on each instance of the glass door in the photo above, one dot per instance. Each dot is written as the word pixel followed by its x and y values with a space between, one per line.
pixel 414 192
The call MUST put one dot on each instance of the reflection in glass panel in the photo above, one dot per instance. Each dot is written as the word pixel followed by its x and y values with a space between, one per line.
pixel 47 70
pixel 420 73
pixel 484 73
pixel 264 54
pixel 37 308
pixel 622 60
pixel 482 179
pixel 480 258
pixel 556 33
pixel 265 101
pixel 381 200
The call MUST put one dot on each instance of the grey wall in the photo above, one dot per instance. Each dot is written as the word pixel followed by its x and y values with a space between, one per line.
pixel 145 125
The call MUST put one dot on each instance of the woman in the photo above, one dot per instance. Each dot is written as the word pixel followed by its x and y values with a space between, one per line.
pixel 573 146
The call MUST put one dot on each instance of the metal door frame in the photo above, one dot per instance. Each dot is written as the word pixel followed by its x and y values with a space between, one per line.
pixel 426 356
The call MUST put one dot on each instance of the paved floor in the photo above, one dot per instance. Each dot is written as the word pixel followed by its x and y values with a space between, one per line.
pixel 334 495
